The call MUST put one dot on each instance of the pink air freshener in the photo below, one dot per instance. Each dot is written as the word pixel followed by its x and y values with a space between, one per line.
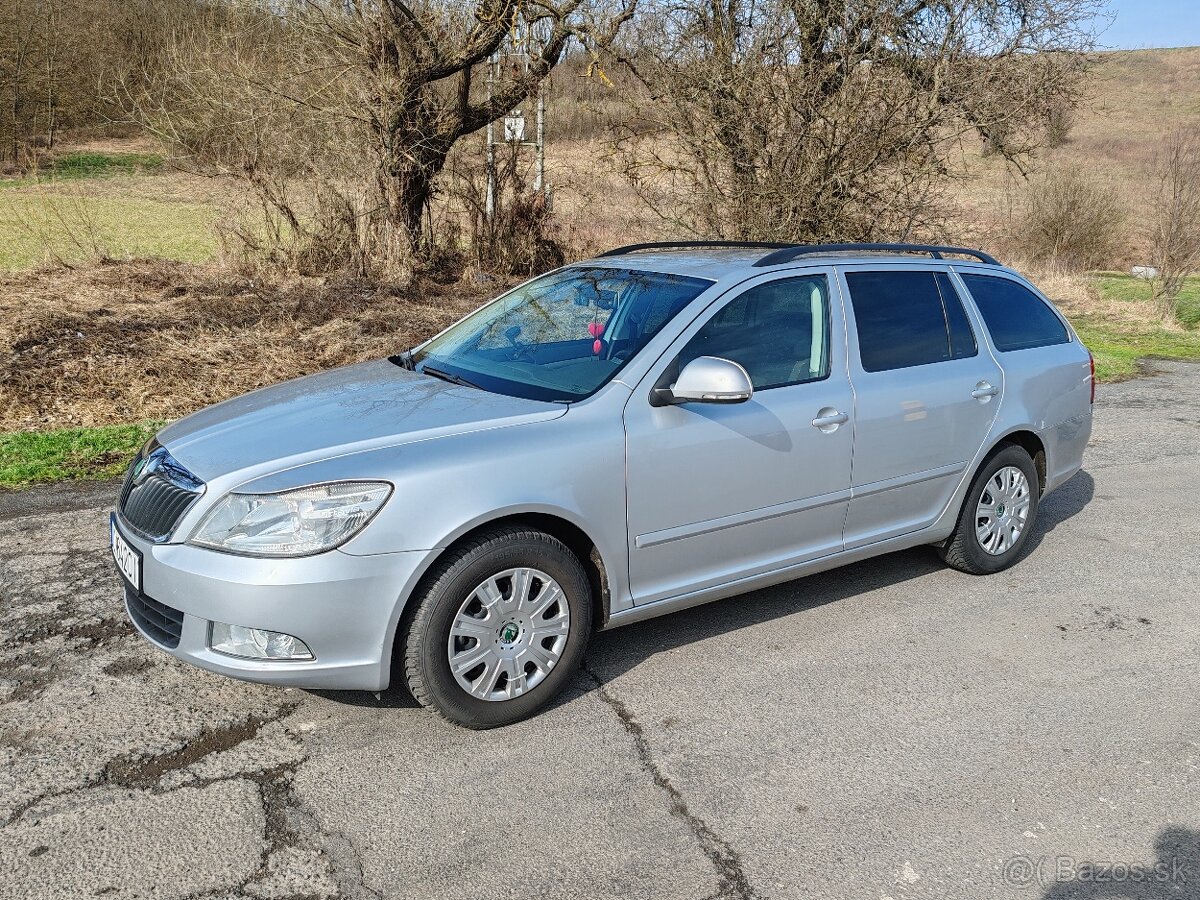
pixel 598 347
pixel 595 329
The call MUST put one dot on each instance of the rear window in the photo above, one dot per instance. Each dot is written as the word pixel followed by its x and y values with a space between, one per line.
pixel 907 318
pixel 1017 317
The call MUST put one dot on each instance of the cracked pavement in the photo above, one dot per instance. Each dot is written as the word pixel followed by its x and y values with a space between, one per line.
pixel 888 730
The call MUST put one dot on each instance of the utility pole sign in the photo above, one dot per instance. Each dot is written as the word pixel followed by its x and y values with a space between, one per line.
pixel 521 43
pixel 514 127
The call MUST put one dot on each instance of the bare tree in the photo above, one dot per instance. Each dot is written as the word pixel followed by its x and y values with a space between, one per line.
pixel 59 59
pixel 18 49
pixel 814 119
pixel 1175 218
pixel 358 102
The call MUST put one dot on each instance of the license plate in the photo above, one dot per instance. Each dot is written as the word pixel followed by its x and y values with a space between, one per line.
pixel 128 560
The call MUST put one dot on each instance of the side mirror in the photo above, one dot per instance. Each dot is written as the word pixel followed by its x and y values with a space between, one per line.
pixel 707 379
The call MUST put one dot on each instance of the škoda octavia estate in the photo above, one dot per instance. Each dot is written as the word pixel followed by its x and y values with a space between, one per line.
pixel 659 427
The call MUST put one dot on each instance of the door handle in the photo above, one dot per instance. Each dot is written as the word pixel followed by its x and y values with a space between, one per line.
pixel 828 419
pixel 983 390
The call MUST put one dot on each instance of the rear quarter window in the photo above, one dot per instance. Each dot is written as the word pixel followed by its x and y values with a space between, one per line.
pixel 1017 318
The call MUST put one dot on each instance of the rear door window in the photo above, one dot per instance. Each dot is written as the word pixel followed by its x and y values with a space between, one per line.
pixel 907 318
pixel 962 337
pixel 1017 318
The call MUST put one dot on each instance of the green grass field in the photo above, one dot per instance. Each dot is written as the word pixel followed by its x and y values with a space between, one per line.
pixel 60 216
pixel 40 228
pixel 42 457
pixel 1117 346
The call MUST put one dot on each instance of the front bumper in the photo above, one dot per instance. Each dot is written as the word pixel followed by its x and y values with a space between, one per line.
pixel 345 608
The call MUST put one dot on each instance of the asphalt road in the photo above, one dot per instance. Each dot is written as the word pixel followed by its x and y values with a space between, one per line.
pixel 889 730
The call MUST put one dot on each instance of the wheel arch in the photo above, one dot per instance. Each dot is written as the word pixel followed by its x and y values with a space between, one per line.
pixel 1028 441
pixel 552 522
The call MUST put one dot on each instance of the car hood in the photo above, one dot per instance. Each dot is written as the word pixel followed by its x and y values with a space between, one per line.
pixel 360 407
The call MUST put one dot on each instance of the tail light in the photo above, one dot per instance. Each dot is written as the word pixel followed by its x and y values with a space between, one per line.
pixel 1092 363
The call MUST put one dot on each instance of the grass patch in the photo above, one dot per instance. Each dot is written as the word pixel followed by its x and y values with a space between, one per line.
pixel 37 227
pixel 94 165
pixel 1127 289
pixel 1117 350
pixel 70 454
pixel 1118 343
pixel 88 164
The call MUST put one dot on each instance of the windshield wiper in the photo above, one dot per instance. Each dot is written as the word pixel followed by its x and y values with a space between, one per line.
pixel 446 376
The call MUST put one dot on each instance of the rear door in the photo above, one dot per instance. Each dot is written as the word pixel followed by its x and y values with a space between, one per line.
pixel 718 492
pixel 926 394
pixel 1047 373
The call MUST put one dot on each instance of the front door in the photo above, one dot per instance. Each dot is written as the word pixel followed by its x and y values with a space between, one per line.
pixel 718 492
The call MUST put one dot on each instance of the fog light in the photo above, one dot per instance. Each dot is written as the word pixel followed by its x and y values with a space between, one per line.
pixel 256 643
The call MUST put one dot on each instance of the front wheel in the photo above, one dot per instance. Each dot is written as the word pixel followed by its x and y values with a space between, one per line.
pixel 997 515
pixel 499 628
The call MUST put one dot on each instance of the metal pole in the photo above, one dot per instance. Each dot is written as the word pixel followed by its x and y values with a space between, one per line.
pixel 489 208
pixel 539 177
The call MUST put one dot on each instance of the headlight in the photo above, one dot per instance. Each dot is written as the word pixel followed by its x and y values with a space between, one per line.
pixel 293 523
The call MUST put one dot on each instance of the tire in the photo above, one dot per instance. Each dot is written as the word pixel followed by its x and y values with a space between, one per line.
pixel 509 635
pixel 965 550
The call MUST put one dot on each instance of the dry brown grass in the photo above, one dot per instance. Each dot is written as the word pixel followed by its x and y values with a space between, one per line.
pixel 1079 297
pixel 141 340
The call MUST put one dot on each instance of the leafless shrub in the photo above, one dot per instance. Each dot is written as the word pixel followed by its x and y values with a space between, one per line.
pixel 584 97
pixel 1175 218
pixel 1071 220
pixel 60 58
pixel 785 119
pixel 518 237
pixel 1060 119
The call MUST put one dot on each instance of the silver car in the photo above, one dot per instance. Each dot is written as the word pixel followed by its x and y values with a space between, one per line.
pixel 621 438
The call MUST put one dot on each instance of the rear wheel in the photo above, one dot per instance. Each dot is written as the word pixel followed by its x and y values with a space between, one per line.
pixel 500 627
pixel 997 514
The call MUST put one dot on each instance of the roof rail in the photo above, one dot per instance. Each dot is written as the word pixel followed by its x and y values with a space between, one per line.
pixel 683 245
pixel 787 254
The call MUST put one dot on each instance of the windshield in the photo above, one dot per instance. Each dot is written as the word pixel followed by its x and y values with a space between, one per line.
pixel 559 337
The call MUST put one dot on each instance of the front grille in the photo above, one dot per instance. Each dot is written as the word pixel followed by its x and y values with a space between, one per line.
pixel 159 622
pixel 156 494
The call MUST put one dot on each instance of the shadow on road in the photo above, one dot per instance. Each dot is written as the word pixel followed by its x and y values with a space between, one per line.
pixel 620 650
pixel 612 653
pixel 1173 874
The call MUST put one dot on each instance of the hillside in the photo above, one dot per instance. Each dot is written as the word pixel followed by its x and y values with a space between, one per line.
pixel 1137 98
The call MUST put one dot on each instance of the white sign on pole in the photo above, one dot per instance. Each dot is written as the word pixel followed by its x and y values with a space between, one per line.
pixel 514 128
